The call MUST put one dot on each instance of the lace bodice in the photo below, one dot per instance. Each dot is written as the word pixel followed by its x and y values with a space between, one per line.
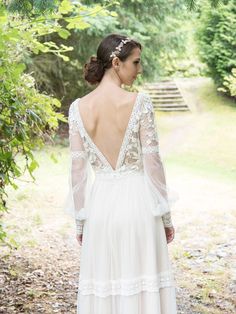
pixel 139 152
pixel 129 157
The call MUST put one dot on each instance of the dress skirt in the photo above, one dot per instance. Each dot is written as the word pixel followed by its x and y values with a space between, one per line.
pixel 124 262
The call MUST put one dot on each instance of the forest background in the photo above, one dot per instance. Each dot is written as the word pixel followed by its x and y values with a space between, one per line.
pixel 43 48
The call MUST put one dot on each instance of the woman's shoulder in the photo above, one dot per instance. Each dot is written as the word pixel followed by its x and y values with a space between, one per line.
pixel 118 96
pixel 142 96
pixel 142 100
pixel 127 96
pixel 81 101
pixel 86 97
pixel 146 101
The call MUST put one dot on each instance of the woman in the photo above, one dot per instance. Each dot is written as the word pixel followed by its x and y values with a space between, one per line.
pixel 120 199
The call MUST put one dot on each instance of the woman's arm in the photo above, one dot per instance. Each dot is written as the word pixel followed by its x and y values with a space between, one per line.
pixel 78 171
pixel 152 162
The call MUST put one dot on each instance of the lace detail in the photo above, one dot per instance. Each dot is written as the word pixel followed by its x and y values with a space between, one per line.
pixel 73 125
pixel 167 220
pixel 150 149
pixel 139 152
pixel 150 142
pixel 131 133
pixel 78 154
pixel 129 146
pixel 127 286
pixel 96 159
pixel 79 227
pixel 95 156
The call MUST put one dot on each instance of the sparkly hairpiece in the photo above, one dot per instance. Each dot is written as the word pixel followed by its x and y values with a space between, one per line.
pixel 119 47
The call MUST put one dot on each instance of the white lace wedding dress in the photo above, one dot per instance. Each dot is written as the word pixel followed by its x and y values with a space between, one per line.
pixel 124 262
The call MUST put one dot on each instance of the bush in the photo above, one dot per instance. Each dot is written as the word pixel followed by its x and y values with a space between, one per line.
pixel 28 117
pixel 217 41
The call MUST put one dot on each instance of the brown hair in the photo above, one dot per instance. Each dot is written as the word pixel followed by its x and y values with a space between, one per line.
pixel 96 67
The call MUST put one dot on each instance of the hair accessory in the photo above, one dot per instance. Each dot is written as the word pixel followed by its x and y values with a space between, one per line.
pixel 119 47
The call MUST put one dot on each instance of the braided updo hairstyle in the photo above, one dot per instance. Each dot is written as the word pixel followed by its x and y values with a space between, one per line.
pixel 96 67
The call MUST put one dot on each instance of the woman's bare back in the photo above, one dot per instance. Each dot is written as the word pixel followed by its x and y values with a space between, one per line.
pixel 105 117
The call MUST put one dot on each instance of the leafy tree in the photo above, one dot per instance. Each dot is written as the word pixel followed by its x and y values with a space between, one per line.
pixel 31 7
pixel 29 117
pixel 156 25
pixel 229 84
pixel 195 4
pixel 217 42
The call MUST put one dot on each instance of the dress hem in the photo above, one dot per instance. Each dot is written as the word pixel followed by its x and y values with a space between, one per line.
pixel 127 286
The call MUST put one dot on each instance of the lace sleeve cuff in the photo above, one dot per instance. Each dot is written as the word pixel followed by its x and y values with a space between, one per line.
pixel 80 218
pixel 166 218
pixel 79 226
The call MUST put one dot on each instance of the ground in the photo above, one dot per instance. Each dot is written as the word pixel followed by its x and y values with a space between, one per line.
pixel 198 151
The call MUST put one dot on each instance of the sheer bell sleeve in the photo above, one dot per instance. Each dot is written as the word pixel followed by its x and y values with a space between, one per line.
pixel 78 175
pixel 153 167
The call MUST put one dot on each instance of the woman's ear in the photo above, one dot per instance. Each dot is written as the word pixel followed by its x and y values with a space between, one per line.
pixel 116 62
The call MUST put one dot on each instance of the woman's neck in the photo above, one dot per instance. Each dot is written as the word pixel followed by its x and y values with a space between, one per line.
pixel 110 78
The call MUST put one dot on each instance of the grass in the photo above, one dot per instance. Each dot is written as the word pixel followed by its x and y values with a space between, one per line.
pixel 203 141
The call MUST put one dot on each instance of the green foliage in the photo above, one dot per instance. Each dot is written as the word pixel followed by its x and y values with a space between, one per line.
pixel 58 73
pixel 158 26
pixel 29 7
pixel 217 42
pixel 195 4
pixel 29 117
pixel 26 116
pixel 187 63
pixel 230 84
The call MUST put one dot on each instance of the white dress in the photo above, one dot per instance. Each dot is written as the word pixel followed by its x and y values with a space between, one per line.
pixel 124 262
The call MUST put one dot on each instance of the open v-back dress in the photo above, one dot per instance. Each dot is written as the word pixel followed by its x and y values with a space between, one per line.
pixel 124 262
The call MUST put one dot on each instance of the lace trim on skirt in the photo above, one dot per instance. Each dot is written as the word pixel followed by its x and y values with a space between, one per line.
pixel 127 286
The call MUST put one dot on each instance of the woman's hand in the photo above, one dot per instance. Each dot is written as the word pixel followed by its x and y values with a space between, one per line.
pixel 170 234
pixel 79 238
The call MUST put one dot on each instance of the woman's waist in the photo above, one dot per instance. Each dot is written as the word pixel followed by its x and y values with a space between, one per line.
pixel 116 174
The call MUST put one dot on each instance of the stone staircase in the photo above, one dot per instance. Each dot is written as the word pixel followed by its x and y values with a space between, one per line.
pixel 166 96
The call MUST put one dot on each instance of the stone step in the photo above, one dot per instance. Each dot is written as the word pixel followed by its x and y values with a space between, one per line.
pixel 160 87
pixel 160 83
pixel 172 109
pixel 170 105
pixel 166 101
pixel 160 93
pixel 169 83
pixel 165 96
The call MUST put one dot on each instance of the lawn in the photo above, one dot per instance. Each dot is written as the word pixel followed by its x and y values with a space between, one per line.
pixel 202 140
